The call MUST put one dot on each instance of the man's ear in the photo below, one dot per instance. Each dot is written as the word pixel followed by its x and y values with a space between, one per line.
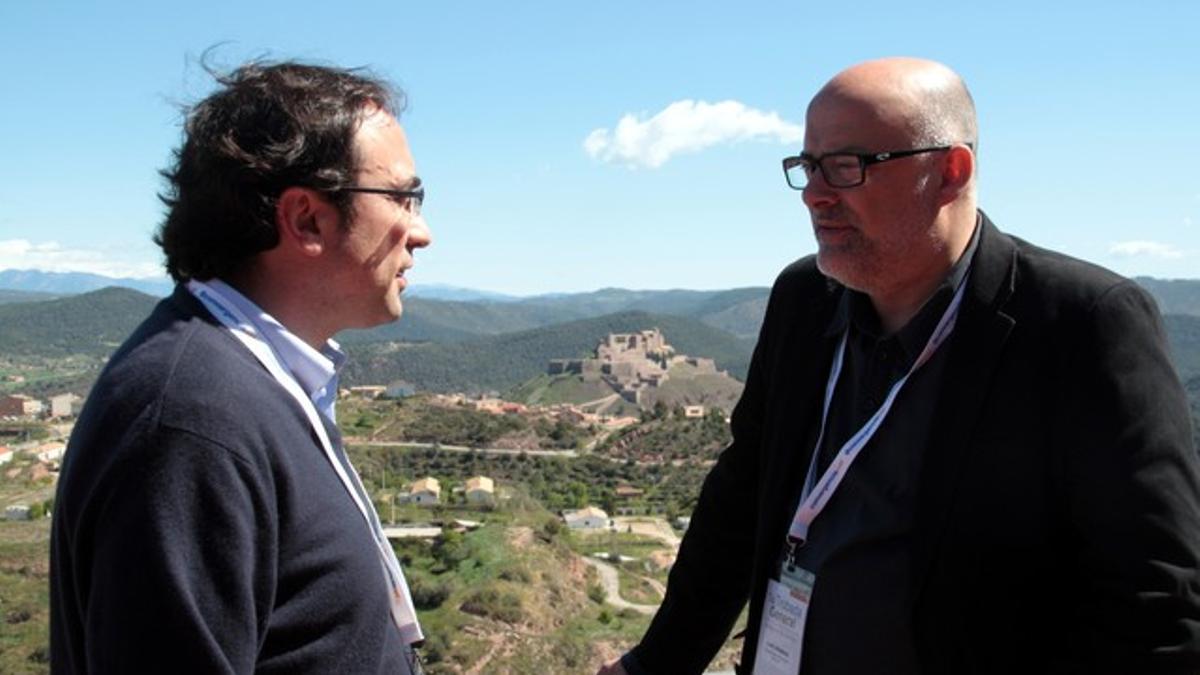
pixel 305 219
pixel 958 167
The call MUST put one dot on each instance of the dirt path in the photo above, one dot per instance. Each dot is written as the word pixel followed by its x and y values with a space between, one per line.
pixel 497 641
pixel 612 588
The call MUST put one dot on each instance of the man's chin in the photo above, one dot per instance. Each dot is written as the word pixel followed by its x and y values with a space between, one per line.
pixel 837 266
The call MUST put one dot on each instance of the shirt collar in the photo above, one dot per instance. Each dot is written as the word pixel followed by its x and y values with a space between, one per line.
pixel 315 371
pixel 855 309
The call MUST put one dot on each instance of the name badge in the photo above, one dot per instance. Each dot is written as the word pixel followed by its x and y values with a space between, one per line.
pixel 781 633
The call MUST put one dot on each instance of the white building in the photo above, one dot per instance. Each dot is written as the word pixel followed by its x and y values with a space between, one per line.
pixel 6 455
pixel 368 391
pixel 587 518
pixel 49 452
pixel 65 405
pixel 481 490
pixel 17 512
pixel 412 532
pixel 425 491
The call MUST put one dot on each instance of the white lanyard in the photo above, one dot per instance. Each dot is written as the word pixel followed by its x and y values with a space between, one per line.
pixel 815 496
pixel 403 612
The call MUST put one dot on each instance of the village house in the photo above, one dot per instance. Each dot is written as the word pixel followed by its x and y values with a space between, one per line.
pixel 481 490
pixel 19 405
pixel 17 512
pixel 693 411
pixel 627 492
pixel 6 455
pixel 587 518
pixel 65 405
pixel 49 452
pixel 425 491
pixel 368 391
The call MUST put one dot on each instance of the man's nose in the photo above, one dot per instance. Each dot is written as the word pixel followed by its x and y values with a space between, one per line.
pixel 419 235
pixel 817 194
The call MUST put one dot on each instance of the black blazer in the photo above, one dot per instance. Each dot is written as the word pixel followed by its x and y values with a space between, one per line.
pixel 1058 519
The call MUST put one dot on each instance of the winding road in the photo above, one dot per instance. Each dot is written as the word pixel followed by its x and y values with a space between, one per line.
pixel 612 588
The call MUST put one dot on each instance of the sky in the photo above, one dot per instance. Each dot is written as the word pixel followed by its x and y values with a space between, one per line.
pixel 570 146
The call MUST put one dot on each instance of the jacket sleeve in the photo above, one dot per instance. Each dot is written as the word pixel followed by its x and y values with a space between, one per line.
pixel 710 581
pixel 1132 495
pixel 182 575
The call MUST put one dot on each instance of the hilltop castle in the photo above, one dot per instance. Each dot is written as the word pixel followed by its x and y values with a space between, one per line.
pixel 630 363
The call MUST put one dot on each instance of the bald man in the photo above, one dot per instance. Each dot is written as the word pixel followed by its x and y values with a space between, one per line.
pixel 956 452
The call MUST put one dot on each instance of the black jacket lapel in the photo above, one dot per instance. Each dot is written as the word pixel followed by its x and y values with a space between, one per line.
pixel 975 349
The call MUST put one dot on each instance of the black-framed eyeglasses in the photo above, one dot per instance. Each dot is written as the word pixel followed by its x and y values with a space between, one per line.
pixel 409 199
pixel 841 169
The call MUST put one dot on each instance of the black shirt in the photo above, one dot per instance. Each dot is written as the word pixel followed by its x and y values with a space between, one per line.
pixel 859 546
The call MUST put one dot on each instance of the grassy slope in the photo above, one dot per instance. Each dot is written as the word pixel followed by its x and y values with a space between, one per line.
pixel 24 596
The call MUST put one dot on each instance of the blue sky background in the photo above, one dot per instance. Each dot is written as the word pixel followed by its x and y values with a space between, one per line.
pixel 1089 139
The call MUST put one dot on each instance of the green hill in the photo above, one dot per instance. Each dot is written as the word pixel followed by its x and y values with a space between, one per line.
pixel 1183 333
pixel 498 363
pixel 737 311
pixel 1174 296
pixel 551 389
pixel 92 323
pixel 8 296
pixel 450 321
pixel 684 387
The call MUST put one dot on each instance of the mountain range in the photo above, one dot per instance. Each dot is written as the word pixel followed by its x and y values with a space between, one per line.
pixel 496 344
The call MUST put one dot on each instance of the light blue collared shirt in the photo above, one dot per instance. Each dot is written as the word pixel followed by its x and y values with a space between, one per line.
pixel 315 371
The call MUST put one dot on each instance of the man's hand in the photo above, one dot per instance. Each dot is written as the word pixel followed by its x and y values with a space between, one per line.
pixel 614 668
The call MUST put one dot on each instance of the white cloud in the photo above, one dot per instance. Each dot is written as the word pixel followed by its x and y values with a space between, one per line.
pixel 22 254
pixel 686 126
pixel 1150 249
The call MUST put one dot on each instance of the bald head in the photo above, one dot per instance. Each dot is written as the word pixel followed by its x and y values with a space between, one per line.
pixel 923 97
pixel 900 206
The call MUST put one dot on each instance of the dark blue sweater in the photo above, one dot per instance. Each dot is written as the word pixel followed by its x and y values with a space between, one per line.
pixel 198 525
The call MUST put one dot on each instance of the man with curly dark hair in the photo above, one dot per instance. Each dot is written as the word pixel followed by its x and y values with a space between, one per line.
pixel 207 517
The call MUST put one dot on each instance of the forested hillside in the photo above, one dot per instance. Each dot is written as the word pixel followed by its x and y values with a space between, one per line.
pixel 93 323
pixel 501 362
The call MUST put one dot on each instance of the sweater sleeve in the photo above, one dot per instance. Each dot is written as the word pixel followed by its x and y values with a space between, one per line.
pixel 183 571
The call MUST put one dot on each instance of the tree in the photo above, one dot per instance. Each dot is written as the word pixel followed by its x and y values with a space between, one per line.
pixel 450 549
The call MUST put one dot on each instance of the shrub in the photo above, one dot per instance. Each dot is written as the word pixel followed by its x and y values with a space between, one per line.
pixel 449 550
pixel 428 594
pixel 495 604
pixel 517 574
pixel 552 528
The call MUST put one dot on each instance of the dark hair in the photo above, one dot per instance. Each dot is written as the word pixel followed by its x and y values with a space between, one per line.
pixel 269 127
